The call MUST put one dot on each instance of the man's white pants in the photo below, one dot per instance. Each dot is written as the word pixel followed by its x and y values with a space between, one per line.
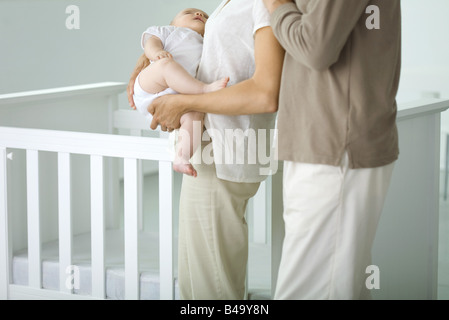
pixel 331 215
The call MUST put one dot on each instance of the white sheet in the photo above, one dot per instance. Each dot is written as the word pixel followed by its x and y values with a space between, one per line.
pixel 258 279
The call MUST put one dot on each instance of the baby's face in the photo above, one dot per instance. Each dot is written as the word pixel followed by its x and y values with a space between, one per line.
pixel 191 18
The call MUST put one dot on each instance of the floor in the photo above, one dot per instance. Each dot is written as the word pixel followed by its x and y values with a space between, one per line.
pixel 443 267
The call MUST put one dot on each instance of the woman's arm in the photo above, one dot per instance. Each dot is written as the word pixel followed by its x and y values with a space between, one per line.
pixel 259 94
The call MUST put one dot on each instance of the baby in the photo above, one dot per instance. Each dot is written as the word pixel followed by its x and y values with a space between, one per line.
pixel 174 53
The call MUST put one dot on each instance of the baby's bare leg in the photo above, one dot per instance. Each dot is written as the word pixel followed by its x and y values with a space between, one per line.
pixel 188 143
pixel 167 73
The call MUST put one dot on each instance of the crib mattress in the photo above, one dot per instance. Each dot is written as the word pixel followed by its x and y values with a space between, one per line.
pixel 258 275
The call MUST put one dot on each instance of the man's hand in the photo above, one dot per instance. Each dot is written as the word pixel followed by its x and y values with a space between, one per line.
pixel 167 111
pixel 272 5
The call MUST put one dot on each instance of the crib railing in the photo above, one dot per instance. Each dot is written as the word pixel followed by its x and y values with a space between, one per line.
pixel 97 147
pixel 87 120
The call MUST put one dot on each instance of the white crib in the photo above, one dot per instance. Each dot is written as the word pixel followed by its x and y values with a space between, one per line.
pixel 68 230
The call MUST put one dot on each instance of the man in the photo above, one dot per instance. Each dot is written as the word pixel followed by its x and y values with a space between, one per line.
pixel 338 138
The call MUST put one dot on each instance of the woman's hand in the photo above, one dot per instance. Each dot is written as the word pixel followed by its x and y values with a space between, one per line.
pixel 272 5
pixel 167 111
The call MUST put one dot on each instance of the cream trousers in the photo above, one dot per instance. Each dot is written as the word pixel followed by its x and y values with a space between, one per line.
pixel 331 215
pixel 213 236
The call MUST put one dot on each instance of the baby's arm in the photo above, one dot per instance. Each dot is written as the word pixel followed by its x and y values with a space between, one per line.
pixel 154 49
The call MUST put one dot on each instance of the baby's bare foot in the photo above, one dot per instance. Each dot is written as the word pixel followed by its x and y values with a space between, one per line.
pixel 217 85
pixel 184 168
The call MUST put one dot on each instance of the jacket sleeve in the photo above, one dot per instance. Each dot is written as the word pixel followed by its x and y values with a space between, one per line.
pixel 315 38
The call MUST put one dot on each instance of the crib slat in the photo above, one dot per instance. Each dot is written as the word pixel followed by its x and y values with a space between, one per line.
pixel 85 143
pixel 138 133
pixel 166 231
pixel 65 224
pixel 4 234
pixel 97 226
pixel 131 199
pixel 33 216
pixel 140 193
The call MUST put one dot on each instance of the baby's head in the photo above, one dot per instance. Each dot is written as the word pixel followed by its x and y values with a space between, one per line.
pixel 191 18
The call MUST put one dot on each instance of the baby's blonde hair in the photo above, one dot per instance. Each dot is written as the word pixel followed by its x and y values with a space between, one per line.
pixel 173 20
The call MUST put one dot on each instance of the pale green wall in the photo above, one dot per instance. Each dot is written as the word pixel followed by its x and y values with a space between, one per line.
pixel 37 51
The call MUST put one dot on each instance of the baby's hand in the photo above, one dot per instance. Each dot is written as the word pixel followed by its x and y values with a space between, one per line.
pixel 161 55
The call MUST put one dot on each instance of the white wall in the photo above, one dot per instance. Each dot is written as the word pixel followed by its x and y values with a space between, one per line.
pixel 425 64
pixel 37 51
